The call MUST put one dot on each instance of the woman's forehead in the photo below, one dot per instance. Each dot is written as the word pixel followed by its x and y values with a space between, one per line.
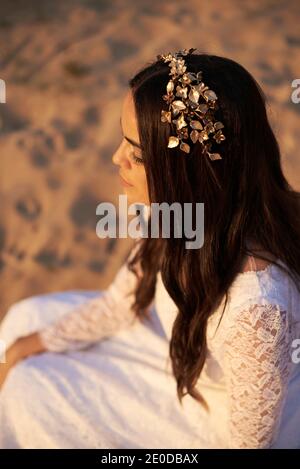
pixel 128 118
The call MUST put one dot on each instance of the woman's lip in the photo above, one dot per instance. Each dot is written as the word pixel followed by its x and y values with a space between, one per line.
pixel 124 181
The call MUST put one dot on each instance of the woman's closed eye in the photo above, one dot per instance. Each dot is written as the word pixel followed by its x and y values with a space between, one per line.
pixel 136 158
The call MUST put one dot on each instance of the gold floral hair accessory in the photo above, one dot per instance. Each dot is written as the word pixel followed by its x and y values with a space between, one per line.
pixel 195 108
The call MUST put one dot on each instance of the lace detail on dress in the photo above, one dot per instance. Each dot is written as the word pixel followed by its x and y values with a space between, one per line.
pixel 257 364
pixel 97 318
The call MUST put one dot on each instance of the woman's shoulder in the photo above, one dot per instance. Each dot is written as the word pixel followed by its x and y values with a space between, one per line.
pixel 264 282
pixel 266 295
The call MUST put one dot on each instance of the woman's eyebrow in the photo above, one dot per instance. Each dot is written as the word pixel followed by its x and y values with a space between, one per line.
pixel 135 144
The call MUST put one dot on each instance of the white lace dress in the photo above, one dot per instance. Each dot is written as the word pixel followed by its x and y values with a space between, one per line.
pixel 106 381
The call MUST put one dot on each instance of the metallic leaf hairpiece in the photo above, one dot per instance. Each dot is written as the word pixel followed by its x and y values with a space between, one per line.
pixel 195 107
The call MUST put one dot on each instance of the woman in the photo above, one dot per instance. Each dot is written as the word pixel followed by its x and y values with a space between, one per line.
pixel 210 365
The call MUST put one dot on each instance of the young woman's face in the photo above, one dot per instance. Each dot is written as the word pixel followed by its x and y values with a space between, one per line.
pixel 128 156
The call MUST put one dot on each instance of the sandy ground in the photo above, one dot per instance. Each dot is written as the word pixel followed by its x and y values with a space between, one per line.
pixel 66 66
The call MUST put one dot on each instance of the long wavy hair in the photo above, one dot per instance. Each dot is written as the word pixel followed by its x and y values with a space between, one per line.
pixel 245 194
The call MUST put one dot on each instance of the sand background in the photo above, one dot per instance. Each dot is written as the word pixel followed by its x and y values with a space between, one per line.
pixel 66 66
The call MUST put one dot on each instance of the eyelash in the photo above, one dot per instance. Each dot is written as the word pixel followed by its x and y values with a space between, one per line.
pixel 137 159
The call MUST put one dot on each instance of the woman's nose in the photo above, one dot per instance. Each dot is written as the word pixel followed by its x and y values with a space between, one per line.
pixel 120 158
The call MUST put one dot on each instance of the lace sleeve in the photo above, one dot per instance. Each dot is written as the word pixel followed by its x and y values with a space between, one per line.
pixel 257 364
pixel 96 318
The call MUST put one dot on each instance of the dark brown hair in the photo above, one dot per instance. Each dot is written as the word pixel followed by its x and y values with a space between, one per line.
pixel 245 194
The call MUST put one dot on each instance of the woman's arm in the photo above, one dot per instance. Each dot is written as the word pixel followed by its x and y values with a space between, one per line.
pixel 97 318
pixel 257 367
pixel 87 323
